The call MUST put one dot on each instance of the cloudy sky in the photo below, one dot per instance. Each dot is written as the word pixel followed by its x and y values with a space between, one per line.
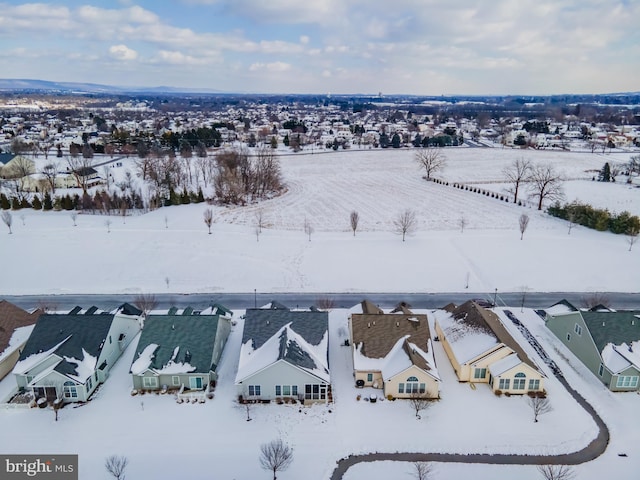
pixel 428 47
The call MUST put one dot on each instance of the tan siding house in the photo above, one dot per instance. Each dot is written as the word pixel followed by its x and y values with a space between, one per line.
pixel 393 351
pixel 481 350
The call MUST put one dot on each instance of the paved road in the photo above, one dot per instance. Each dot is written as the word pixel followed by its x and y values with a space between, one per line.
pixel 592 451
pixel 340 300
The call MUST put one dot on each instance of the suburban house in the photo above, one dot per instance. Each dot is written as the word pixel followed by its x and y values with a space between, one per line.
pixel 606 341
pixel 393 351
pixel 284 355
pixel 481 350
pixel 15 327
pixel 181 350
pixel 68 355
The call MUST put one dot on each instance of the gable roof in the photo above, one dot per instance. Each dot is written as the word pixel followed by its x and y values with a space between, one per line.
pixel 174 344
pixel 483 321
pixel 12 317
pixel 612 327
pixel 76 339
pixel 261 324
pixel 299 338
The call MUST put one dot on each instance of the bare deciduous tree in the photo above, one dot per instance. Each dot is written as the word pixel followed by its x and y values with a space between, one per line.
pixel 208 218
pixel 420 402
pixel 524 223
pixel 50 172
pixel 463 223
pixel 556 472
pixel 308 228
pixel 632 236
pixel 260 219
pixel 539 405
pixel 275 456
pixel 517 173
pixel 596 298
pixel 107 223
pixel 145 302
pixel 325 303
pixel 405 223
pixel 545 184
pixel 422 470
pixel 116 465
pixel 80 167
pixel 74 217
pixel 354 218
pixel 431 159
pixel 7 218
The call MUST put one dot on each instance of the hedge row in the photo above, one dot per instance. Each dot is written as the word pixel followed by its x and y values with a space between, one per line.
pixel 596 218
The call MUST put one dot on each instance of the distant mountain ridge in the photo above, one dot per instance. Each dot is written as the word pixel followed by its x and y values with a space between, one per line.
pixel 32 85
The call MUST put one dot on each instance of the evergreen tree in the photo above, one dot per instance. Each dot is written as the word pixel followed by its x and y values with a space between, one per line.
pixel 57 204
pixel 274 142
pixel 36 204
pixel 200 198
pixel 184 198
pixel 67 203
pixel 15 203
pixel 605 173
pixel 395 141
pixel 4 202
pixel 24 203
pixel 47 203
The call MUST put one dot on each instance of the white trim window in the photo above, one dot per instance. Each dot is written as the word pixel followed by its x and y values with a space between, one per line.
pixel 254 390
pixel 519 381
pixel 601 369
pixel 504 384
pixel 534 384
pixel 577 329
pixel 150 382
pixel 195 383
pixel 175 380
pixel 70 390
pixel 627 381
pixel 480 373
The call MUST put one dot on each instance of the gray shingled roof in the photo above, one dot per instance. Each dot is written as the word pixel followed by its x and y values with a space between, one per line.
pixel 87 332
pixel 195 335
pixel 613 327
pixel 262 324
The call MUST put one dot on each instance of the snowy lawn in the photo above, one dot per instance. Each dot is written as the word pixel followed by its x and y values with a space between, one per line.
pixel 169 250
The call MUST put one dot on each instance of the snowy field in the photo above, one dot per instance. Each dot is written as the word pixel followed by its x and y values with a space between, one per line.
pixel 163 439
pixel 169 250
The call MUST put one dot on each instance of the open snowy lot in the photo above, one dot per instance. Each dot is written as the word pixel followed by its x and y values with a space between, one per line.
pixel 169 250
pixel 163 439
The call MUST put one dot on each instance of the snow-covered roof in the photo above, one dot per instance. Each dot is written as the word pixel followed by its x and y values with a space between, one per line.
pixel 466 340
pixel 286 345
pixel 20 335
pixel 618 358
pixel 84 367
pixel 504 365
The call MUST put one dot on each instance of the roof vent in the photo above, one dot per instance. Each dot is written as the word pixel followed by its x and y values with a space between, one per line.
pixel 374 323
pixel 397 324
pixel 173 327
pixel 369 325
pixel 603 324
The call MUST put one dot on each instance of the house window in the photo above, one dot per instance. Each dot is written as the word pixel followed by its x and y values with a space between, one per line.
pixel 369 377
pixel 401 388
pixel 519 381
pixel 534 384
pixel 175 380
pixel 149 382
pixel 412 386
pixel 70 390
pixel 195 382
pixel 568 337
pixel 278 390
pixel 254 390
pixel 89 384
pixel 627 381
pixel 480 373
pixel 286 389
pixel 504 384
pixel 600 369
pixel 29 379
pixel 577 329
pixel 315 392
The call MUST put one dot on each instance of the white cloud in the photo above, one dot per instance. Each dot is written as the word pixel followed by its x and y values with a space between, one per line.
pixel 122 52
pixel 304 39
pixel 178 58
pixel 270 67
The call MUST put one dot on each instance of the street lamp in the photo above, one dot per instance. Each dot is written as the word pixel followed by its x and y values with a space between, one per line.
pixel 495 294
pixel 255 299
